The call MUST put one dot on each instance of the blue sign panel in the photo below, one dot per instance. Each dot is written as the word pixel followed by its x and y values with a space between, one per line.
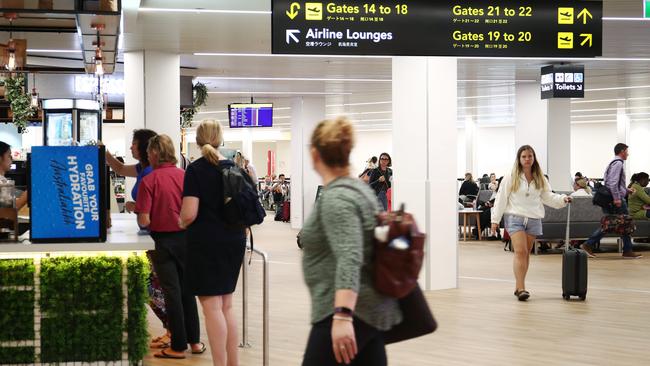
pixel 65 192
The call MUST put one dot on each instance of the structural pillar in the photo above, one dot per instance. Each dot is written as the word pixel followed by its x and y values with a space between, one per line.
pixel 559 145
pixel 531 115
pixel 424 128
pixel 152 95
pixel 622 123
pixel 305 115
pixel 471 164
pixel 546 126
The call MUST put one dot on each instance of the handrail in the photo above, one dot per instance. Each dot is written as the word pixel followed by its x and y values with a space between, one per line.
pixel 265 305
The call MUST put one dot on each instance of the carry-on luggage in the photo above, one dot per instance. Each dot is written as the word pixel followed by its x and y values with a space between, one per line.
pixel 286 211
pixel 574 268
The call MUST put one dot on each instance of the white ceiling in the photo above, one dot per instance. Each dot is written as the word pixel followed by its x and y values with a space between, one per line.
pixel 187 33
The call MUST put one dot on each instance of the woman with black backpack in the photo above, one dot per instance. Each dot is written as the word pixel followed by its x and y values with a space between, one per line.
pixel 215 250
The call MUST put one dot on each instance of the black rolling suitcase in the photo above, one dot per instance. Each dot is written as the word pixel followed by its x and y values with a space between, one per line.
pixel 574 268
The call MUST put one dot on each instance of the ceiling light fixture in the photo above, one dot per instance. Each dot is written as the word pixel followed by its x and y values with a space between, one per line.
pixel 619 88
pixel 497 81
pixel 204 11
pixel 358 113
pixel 487 96
pixel 279 93
pixel 598 101
pixel 99 60
pixel 11 45
pixel 294 79
pixel 595 115
pixel 44 50
pixel 606 109
pixel 489 106
pixel 357 104
pixel 34 100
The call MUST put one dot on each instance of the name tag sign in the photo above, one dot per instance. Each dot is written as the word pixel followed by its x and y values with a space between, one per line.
pixel 485 28
pixel 563 81
pixel 67 194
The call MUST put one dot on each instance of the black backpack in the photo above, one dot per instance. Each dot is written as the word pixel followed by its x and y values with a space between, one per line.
pixel 242 206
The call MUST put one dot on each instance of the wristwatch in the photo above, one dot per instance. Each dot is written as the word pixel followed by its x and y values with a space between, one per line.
pixel 344 311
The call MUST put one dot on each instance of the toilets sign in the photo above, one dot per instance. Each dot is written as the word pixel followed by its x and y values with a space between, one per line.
pixel 487 28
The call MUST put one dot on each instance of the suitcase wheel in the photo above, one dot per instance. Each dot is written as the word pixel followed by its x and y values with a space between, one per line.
pixel 583 297
pixel 566 297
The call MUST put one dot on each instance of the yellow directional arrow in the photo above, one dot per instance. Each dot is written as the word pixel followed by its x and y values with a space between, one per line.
pixel 587 37
pixel 584 14
pixel 293 10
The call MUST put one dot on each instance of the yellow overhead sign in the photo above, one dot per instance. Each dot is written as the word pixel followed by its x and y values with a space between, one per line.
pixel 565 16
pixel 314 11
pixel 565 40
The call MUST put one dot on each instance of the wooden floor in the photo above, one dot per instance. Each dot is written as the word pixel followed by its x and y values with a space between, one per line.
pixel 481 323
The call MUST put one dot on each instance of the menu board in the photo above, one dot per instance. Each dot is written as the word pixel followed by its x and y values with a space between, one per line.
pixel 66 193
pixel 485 28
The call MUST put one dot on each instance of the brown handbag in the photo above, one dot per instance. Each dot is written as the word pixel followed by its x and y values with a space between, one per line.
pixel 397 267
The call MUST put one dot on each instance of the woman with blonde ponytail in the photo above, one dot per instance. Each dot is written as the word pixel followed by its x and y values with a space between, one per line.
pixel 520 201
pixel 214 251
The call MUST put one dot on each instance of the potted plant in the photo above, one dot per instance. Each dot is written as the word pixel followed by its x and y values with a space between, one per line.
pixel 199 98
pixel 19 101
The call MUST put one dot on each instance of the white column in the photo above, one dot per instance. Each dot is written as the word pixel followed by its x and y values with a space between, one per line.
pixel 471 162
pixel 622 124
pixel 247 143
pixel 531 114
pixel 305 114
pixel 133 94
pixel 162 94
pixel 133 104
pixel 424 126
pixel 559 145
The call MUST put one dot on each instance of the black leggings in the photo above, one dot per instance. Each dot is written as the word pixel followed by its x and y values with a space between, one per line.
pixel 370 343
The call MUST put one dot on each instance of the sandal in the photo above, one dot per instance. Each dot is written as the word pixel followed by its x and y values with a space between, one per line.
pixel 522 295
pixel 200 350
pixel 164 354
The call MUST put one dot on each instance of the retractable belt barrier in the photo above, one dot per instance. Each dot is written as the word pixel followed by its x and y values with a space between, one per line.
pixel 265 305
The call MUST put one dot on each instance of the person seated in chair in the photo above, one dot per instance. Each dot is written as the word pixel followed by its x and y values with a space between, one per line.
pixel 581 188
pixel 469 189
pixel 639 201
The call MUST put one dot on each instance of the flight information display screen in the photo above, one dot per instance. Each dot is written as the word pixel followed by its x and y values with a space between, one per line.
pixel 250 115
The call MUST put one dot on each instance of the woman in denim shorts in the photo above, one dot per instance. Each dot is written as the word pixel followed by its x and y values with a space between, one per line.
pixel 520 202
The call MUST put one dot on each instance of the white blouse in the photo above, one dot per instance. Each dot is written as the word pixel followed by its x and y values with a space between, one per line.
pixel 528 201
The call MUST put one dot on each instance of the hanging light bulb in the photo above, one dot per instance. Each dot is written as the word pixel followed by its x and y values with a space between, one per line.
pixel 34 102
pixel 11 63
pixel 99 66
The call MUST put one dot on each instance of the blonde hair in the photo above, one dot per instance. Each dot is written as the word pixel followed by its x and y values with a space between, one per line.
pixel 334 140
pixel 164 146
pixel 209 136
pixel 536 170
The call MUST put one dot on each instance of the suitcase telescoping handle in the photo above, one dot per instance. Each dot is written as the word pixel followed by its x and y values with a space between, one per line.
pixel 568 223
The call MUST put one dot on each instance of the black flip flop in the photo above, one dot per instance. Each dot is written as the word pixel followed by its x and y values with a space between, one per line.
pixel 164 354
pixel 201 350
pixel 522 295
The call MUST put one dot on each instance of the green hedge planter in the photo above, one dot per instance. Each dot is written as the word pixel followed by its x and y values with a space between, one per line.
pixel 83 318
